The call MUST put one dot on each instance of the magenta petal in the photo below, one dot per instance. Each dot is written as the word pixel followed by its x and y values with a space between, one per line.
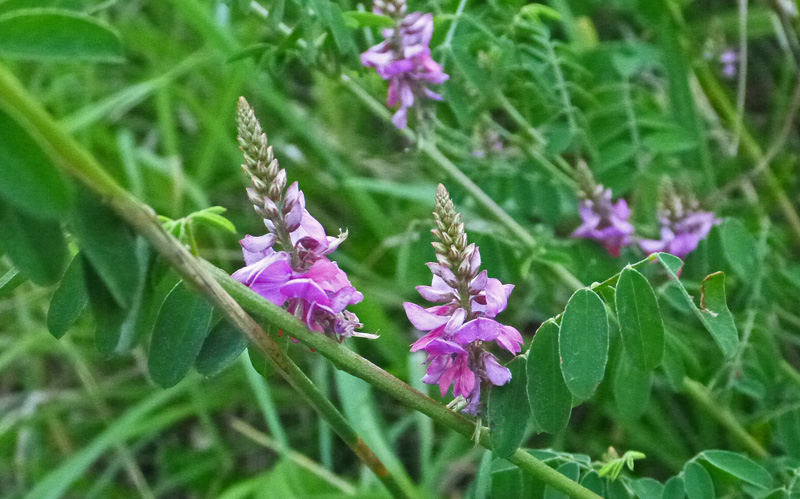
pixel 480 329
pixel 421 343
pixel 464 378
pixel 652 245
pixel 497 374
pixel 439 292
pixel 437 364
pixel 399 118
pixel 479 283
pixel 423 319
pixel 270 279
pixel 510 339
pixel 438 346
pixel 305 289
pixel 497 296
pixel 311 228
pixel 256 248
pixel 455 322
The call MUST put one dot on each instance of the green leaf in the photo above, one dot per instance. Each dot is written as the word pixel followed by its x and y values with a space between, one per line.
pixel 639 320
pixel 9 282
pixel 260 363
pixel 673 364
pixel 670 142
pixel 223 345
pixel 739 466
pixel 55 34
pixel 647 488
pixel 509 410
pixel 631 389
pixel 615 489
pixel 674 489
pixel 108 314
pixel 697 481
pixel 715 315
pixel 31 181
pixel 181 327
pixel 69 299
pixel 214 220
pixel 36 247
pixel 358 19
pixel 110 246
pixel 713 311
pixel 507 483
pixel 671 263
pixel 550 400
pixel 583 343
pixel 593 482
pixel 331 15
pixel 569 470
pixel 740 248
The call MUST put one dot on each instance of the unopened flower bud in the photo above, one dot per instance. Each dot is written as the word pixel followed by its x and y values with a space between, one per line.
pixel 271 209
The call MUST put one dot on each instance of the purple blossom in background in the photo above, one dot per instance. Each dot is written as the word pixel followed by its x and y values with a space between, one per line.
pixel 680 237
pixel 683 226
pixel 298 276
pixel 404 58
pixel 462 323
pixel 729 59
pixel 603 220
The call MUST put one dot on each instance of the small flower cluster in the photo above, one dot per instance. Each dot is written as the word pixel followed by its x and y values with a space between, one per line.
pixel 683 224
pixel 605 221
pixel 459 329
pixel 404 58
pixel 299 276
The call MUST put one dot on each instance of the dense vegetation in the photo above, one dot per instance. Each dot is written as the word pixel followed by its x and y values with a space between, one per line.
pixel 660 341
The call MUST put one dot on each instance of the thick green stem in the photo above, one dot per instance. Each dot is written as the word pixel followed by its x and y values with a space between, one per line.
pixel 350 362
pixel 217 285
pixel 142 218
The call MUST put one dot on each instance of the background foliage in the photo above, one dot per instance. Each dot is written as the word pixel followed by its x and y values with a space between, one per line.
pixel 633 87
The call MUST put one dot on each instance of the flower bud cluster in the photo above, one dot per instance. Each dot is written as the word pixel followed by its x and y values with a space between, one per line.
pixel 299 275
pixel 404 58
pixel 460 328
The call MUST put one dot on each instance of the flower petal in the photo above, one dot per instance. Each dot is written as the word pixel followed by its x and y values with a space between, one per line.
pixel 423 319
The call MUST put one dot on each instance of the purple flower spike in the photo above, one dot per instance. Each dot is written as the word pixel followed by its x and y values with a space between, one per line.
pixel 297 275
pixel 605 221
pixel 683 225
pixel 404 59
pixel 462 325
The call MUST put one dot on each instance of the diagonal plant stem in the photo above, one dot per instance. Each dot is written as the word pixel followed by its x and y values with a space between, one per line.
pixel 217 285
pixel 142 218
pixel 724 417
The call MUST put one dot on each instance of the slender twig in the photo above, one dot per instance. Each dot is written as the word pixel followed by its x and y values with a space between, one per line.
pixel 217 285
pixel 777 146
pixel 722 105
pixel 724 417
pixel 85 167
pixel 483 200
pixel 299 459
pixel 741 84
